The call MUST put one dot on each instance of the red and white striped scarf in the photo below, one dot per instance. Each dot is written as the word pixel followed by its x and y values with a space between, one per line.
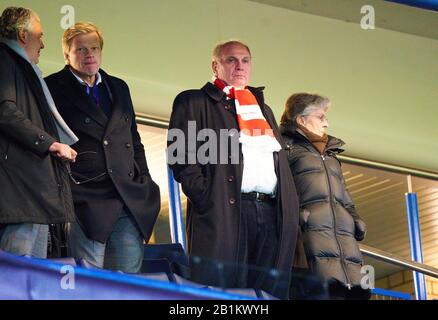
pixel 250 118
pixel 257 139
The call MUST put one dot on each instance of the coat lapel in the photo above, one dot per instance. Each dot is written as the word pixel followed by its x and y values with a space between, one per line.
pixel 74 89
pixel 117 105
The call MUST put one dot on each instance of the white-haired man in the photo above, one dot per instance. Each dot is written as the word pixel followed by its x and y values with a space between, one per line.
pixel 244 211
pixel 33 139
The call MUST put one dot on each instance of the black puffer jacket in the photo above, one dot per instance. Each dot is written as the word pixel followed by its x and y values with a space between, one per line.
pixel 328 218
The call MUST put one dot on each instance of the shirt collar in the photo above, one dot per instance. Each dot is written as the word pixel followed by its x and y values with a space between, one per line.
pixel 98 79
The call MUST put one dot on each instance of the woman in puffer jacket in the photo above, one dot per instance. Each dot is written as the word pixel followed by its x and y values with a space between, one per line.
pixel 329 223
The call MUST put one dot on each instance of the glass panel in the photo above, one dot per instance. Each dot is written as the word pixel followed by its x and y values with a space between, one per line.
pixel 154 141
pixel 379 197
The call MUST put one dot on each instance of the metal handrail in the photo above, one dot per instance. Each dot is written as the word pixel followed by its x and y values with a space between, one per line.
pixel 367 250
pixel 389 167
pixel 151 121
pixel 164 124
pixel 397 260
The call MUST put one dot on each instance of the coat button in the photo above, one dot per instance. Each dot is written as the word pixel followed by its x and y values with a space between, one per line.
pixel 105 142
pixel 230 178
pixel 227 107
pixel 128 145
pixel 87 120
pixel 42 137
pixel 232 201
pixel 110 170
pixel 131 174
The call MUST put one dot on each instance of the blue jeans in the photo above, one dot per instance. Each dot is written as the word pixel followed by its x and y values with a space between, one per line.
pixel 25 239
pixel 122 251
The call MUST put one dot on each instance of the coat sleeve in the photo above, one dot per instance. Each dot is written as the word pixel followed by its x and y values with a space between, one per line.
pixel 360 226
pixel 181 155
pixel 139 154
pixel 13 122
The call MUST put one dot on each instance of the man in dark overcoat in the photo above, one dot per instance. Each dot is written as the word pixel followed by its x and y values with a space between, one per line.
pixel 224 148
pixel 116 201
pixel 34 141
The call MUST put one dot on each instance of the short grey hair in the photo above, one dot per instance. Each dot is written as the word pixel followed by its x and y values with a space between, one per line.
pixel 303 104
pixel 221 45
pixel 314 107
pixel 14 19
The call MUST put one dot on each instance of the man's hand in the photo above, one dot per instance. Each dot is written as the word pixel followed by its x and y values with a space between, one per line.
pixel 63 151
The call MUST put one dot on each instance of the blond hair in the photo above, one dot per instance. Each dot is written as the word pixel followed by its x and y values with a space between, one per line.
pixel 78 29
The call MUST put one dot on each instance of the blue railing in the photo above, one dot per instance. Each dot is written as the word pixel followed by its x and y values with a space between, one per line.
pixel 41 279
pixel 393 295
pixel 415 242
pixel 422 4
pixel 175 215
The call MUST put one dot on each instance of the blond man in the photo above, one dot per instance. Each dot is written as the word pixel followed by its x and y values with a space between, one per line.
pixel 116 201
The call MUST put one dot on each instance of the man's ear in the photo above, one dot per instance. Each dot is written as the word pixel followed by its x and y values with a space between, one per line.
pixel 66 60
pixel 214 67
pixel 22 36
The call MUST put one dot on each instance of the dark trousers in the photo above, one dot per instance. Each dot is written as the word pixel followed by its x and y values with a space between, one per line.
pixel 258 244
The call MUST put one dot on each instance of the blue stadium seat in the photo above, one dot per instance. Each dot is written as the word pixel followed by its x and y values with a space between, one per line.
pixel 162 276
pixel 183 281
pixel 86 264
pixel 66 261
pixel 157 266
pixel 173 253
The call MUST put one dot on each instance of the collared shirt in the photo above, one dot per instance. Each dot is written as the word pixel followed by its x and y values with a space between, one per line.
pixel 100 95
pixel 96 82
pixel 94 90
pixel 258 166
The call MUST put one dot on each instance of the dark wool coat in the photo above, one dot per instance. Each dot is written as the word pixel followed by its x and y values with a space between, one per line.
pixel 34 186
pixel 118 151
pixel 328 218
pixel 214 220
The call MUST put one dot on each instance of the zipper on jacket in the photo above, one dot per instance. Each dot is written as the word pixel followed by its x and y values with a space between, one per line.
pixel 334 224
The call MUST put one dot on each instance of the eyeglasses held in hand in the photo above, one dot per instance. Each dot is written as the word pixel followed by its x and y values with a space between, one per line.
pixel 77 180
